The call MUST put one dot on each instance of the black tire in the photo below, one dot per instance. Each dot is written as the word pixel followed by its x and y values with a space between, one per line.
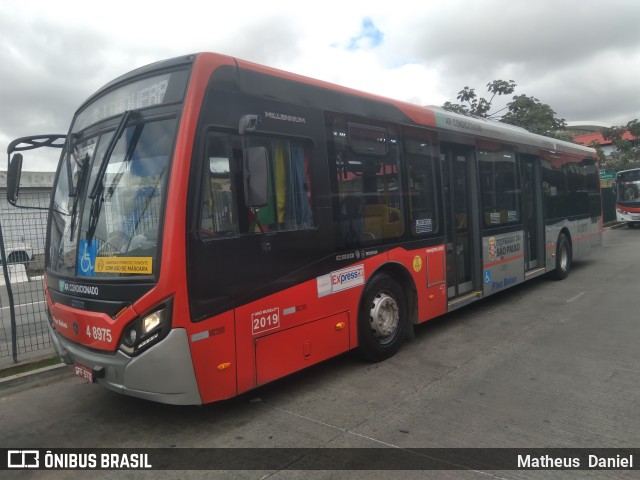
pixel 563 257
pixel 383 318
pixel 18 257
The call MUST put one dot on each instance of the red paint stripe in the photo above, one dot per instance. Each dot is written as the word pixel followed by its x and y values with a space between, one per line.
pixel 587 237
pixel 628 209
pixel 504 260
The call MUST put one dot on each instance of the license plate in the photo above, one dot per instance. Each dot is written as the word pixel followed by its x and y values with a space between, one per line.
pixel 84 372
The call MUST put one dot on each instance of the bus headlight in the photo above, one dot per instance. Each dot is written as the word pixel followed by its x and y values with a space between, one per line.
pixel 146 330
pixel 151 321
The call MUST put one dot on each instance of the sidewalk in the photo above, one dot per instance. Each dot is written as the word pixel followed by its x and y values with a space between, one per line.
pixel 33 378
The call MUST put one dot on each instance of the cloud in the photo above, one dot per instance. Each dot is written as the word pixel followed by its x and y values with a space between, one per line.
pixel 582 58
pixel 574 54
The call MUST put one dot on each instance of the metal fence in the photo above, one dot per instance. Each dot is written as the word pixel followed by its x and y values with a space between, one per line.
pixel 27 336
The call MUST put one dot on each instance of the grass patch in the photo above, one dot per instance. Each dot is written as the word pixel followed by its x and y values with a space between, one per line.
pixel 28 367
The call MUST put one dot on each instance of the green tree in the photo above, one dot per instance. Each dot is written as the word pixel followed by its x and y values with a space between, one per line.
pixel 626 151
pixel 524 111
pixel 530 113
pixel 480 107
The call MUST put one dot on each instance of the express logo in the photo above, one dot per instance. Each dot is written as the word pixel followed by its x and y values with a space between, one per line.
pixel 347 278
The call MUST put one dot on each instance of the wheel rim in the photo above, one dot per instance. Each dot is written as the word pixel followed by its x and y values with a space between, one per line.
pixel 384 317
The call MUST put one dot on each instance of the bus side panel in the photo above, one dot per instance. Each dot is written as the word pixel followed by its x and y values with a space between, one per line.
pixel 273 314
pixel 285 352
pixel 435 303
pixel 333 296
pixel 596 233
pixel 504 261
pixel 427 268
pixel 212 344
pixel 588 236
pixel 551 233
pixel 583 238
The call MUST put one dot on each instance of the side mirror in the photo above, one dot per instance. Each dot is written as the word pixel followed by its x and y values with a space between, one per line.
pixel 13 178
pixel 256 177
pixel 614 188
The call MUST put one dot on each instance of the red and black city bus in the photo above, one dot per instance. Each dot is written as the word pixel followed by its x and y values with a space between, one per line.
pixel 217 224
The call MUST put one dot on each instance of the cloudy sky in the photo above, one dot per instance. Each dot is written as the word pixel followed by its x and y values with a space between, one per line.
pixel 582 57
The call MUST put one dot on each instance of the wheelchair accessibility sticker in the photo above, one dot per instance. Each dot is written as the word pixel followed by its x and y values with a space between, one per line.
pixel 87 257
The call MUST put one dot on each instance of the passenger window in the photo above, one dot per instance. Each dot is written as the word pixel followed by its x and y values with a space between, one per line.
pixel 498 187
pixel 218 212
pixel 422 193
pixel 369 207
pixel 223 212
pixel 367 140
pixel 289 205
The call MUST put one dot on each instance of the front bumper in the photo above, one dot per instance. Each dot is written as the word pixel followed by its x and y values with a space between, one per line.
pixel 627 216
pixel 164 373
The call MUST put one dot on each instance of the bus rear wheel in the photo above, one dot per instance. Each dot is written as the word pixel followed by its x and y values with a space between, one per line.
pixel 563 257
pixel 382 320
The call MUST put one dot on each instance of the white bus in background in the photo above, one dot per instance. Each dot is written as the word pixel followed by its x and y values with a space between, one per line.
pixel 627 191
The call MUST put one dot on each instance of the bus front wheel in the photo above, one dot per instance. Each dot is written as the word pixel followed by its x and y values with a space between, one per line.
pixel 563 257
pixel 382 320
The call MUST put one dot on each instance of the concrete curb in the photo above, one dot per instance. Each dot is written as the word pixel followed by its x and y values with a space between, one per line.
pixel 616 226
pixel 34 378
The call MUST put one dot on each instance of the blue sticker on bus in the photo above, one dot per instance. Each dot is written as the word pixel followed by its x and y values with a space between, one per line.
pixel 487 277
pixel 87 257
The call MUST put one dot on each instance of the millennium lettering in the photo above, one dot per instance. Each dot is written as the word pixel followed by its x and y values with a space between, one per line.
pixel 285 118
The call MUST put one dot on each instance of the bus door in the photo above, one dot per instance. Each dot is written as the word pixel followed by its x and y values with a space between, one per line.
pixel 532 212
pixel 461 213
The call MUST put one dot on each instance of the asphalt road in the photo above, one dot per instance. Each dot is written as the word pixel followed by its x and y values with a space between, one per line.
pixel 545 364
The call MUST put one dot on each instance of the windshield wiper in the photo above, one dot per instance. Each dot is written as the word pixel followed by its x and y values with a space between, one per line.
pixel 107 154
pixel 76 201
pixel 133 143
pixel 98 186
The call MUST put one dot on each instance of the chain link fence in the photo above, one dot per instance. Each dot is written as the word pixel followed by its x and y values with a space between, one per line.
pixel 24 238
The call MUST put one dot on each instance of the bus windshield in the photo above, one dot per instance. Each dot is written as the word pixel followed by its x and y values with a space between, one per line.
pixel 628 187
pixel 119 227
pixel 108 198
